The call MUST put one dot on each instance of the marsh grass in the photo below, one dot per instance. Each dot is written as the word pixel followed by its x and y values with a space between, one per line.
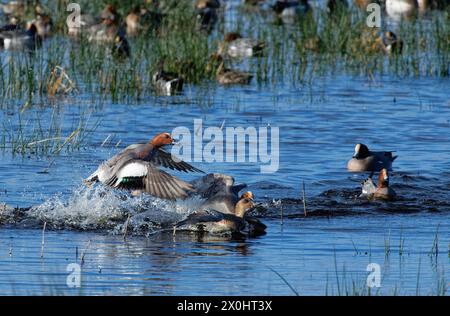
pixel 296 55
pixel 387 244
pixel 317 45
pixel 39 135
pixel 434 251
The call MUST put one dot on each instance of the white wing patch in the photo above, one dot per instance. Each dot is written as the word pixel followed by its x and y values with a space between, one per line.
pixel 134 169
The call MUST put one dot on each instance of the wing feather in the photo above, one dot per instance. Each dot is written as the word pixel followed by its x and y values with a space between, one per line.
pixel 164 185
pixel 164 159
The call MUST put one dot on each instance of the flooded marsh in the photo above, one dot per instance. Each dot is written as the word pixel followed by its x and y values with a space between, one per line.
pixel 325 81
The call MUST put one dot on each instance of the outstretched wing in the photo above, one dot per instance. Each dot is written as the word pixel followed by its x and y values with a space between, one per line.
pixel 138 174
pixel 164 185
pixel 164 159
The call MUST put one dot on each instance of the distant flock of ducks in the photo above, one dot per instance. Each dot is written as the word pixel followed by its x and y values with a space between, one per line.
pixel 223 211
pixel 110 28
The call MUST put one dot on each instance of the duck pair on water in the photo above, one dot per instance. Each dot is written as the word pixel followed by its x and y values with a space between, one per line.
pixel 365 160
pixel 137 169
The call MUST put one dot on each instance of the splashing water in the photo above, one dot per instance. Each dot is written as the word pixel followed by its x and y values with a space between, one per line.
pixel 103 209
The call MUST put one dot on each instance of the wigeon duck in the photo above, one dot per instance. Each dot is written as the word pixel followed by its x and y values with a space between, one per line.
pixel 136 169
pixel 391 44
pixel 253 225
pixel 166 83
pixel 12 26
pixel 366 160
pixel 121 48
pixel 206 11
pixel 399 9
pixel 21 40
pixel 43 25
pixel 109 13
pixel 225 76
pixel 219 191
pixel 108 29
pixel 234 45
pixel 214 222
pixel 382 191
pixel 141 18
pixel 13 8
pixel 289 11
pixel 88 24
pixel 133 22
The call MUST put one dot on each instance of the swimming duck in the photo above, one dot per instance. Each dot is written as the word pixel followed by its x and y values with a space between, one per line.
pixel 13 25
pixel 382 191
pixel 13 8
pixel 366 160
pixel 108 29
pixel 21 40
pixel 136 168
pixel 206 11
pixel 141 18
pixel 43 25
pixel 215 222
pixel 289 11
pixel 225 76
pixel 219 191
pixel 391 44
pixel 400 9
pixel 166 83
pixel 234 45
pixel 253 225
pixel 121 48
pixel 88 24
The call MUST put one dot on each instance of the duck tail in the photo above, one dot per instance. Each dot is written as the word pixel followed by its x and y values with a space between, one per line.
pixel 393 158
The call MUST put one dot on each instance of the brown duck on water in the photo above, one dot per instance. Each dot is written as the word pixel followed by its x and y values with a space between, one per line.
pixel 226 76
pixel 380 192
pixel 215 222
